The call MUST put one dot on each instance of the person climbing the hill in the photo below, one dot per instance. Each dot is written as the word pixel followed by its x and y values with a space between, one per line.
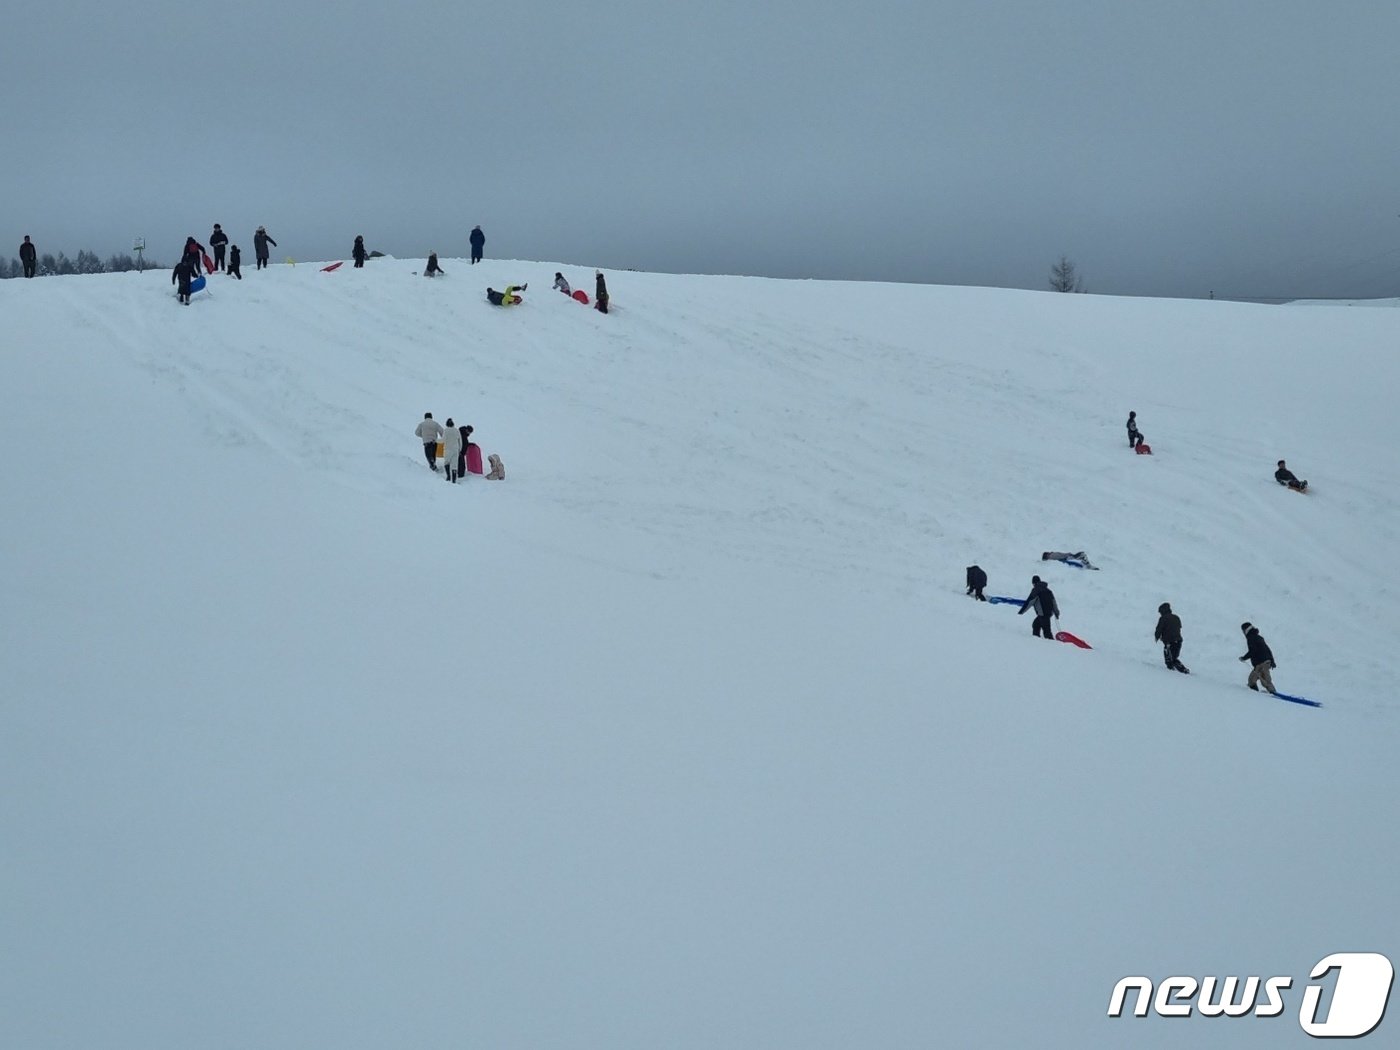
pixel 1134 435
pixel 218 240
pixel 452 451
pixel 181 276
pixel 358 252
pixel 235 262
pixel 562 285
pixel 1042 599
pixel 976 580
pixel 1168 632
pixel 1287 478
pixel 28 256
pixel 430 433
pixel 600 296
pixel 432 269
pixel 1260 657
pixel 466 435
pixel 194 252
pixel 478 240
pixel 260 242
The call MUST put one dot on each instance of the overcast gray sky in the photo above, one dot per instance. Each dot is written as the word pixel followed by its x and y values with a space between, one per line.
pixel 1169 148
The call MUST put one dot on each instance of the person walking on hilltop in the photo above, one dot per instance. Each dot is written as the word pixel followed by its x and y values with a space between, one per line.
pixel 430 433
pixel 260 242
pixel 218 240
pixel 194 252
pixel 181 276
pixel 358 253
pixel 235 262
pixel 1168 632
pixel 600 297
pixel 976 580
pixel 1260 657
pixel 1135 437
pixel 28 256
pixel 1288 479
pixel 1042 600
pixel 478 240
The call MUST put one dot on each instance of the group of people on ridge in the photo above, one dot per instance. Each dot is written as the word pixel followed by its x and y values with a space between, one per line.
pixel 192 259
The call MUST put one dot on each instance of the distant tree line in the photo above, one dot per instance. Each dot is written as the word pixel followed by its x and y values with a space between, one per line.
pixel 50 265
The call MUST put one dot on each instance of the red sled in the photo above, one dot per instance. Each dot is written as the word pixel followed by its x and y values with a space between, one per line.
pixel 208 263
pixel 474 459
pixel 1144 449
pixel 1065 636
pixel 333 266
pixel 581 296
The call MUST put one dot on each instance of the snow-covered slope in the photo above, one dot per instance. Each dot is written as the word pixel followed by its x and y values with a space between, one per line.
pixel 685 735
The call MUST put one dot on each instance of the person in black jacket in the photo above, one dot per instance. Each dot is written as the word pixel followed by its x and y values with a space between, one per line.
pixel 29 256
pixel 194 252
pixel 1284 476
pixel 218 240
pixel 235 261
pixel 1134 435
pixel 260 242
pixel 601 297
pixel 432 269
pixel 182 275
pixel 1168 632
pixel 1042 599
pixel 358 253
pixel 1260 656
pixel 976 580
pixel 478 240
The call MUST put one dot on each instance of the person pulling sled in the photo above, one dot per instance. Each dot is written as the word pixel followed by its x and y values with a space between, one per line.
pixel 1260 657
pixel 976 580
pixel 1042 600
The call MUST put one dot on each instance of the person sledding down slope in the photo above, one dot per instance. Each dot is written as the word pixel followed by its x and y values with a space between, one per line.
pixel 506 298
pixel 1287 478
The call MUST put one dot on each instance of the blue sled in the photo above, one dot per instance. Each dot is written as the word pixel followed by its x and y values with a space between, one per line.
pixel 1073 563
pixel 995 600
pixel 197 285
pixel 1297 700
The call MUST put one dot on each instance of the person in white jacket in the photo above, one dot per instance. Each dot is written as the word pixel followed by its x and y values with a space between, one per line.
pixel 430 433
pixel 451 450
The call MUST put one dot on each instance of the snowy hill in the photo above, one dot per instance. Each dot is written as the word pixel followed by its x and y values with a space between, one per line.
pixel 685 735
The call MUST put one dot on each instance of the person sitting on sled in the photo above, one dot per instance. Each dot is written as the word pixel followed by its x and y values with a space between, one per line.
pixel 1286 477
pixel 506 298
